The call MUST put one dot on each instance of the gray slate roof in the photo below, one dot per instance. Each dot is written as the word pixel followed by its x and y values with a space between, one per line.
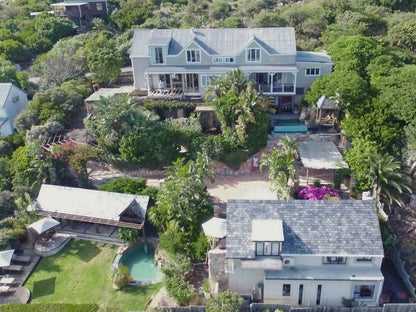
pixel 314 227
pixel 4 92
pixel 221 41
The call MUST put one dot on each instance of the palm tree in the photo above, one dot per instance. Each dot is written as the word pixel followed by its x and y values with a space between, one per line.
pixel 120 277
pixel 280 170
pixel 289 145
pixel 387 179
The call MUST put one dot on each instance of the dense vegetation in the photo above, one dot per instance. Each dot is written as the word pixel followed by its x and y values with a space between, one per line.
pixel 371 42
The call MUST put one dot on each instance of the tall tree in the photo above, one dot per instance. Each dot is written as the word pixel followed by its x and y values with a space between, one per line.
pixel 387 179
pixel 103 59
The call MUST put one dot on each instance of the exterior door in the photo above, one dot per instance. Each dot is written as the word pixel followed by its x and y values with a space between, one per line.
pixel 192 83
pixel 300 296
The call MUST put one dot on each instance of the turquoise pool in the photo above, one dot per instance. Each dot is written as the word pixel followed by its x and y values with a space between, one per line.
pixel 289 126
pixel 140 263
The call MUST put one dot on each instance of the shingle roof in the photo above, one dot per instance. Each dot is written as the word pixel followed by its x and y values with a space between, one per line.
pixel 316 227
pixel 4 92
pixel 221 41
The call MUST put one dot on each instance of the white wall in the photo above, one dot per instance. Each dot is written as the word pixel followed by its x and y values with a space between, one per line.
pixel 16 102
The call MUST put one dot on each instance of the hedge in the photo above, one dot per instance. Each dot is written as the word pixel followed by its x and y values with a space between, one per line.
pixel 165 104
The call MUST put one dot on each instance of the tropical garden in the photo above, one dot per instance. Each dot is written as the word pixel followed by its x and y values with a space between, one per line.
pixel 371 42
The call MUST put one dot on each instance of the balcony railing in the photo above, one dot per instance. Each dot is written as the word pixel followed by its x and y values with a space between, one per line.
pixel 280 88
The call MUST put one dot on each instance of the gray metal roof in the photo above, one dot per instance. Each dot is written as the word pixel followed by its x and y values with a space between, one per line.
pixel 221 41
pixel 320 155
pixel 90 203
pixel 310 227
pixel 315 57
pixel 4 92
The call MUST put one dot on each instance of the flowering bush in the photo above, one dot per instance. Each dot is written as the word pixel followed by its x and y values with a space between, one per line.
pixel 312 192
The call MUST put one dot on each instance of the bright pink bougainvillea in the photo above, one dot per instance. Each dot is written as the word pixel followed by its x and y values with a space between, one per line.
pixel 312 192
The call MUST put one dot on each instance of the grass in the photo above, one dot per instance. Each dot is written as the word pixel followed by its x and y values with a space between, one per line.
pixel 80 274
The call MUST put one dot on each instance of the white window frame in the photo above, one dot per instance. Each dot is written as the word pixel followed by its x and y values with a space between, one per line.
pixel 357 291
pixel 229 59
pixel 364 259
pixel 99 6
pixel 154 58
pixel 286 290
pixel 190 58
pixel 257 55
pixel 217 59
pixel 335 260
pixel 313 71
pixel 267 248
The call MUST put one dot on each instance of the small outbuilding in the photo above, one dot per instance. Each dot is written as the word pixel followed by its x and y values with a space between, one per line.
pixel 92 206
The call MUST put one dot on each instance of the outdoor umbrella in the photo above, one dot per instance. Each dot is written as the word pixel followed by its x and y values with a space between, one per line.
pixel 6 257
pixel 215 227
pixel 44 224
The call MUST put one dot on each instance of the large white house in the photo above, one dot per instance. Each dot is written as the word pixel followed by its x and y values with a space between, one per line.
pixel 304 252
pixel 179 63
pixel 12 101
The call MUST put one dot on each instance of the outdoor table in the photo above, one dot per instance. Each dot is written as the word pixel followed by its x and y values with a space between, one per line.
pixel 7 280
pixel 4 289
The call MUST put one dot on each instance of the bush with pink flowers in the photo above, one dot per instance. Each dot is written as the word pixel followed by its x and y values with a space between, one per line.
pixel 312 192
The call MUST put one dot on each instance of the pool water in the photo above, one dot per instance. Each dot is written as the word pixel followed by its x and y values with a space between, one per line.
pixel 140 263
pixel 289 125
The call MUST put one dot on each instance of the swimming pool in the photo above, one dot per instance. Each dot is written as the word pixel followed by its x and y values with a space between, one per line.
pixel 289 126
pixel 140 263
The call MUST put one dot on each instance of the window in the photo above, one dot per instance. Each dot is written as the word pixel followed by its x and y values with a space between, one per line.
pixel 363 291
pixel 217 59
pixel 364 259
pixel 229 60
pixel 253 55
pixel 335 260
pixel 300 296
pixel 318 295
pixel 286 290
pixel 193 56
pixel 267 248
pixel 157 55
pixel 99 6
pixel 313 71
pixel 206 80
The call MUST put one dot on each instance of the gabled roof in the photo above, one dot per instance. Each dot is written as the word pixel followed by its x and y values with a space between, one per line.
pixel 221 41
pixel 310 227
pixel 92 204
pixel 4 92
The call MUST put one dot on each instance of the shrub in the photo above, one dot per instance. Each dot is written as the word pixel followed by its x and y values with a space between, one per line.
pixel 312 192
pixel 176 268
pixel 225 302
pixel 120 277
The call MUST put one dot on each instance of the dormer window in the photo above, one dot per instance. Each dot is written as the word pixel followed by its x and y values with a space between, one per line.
pixel 253 55
pixel 157 55
pixel 268 237
pixel 193 56
pixel 217 59
pixel 229 59
pixel 267 248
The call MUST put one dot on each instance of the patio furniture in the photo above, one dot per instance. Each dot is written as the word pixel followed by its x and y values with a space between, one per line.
pixel 14 268
pixel 7 280
pixel 21 259
pixel 6 290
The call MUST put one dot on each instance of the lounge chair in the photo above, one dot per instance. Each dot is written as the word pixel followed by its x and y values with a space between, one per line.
pixel 14 268
pixel 21 259
pixel 6 290
pixel 7 280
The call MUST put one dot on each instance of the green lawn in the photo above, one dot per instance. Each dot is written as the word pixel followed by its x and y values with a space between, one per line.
pixel 80 273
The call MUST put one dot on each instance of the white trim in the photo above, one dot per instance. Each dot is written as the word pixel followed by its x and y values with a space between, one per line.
pixel 248 53
pixel 314 69
pixel 196 57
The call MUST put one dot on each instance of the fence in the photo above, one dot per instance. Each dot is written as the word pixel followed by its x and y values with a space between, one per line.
pixel 399 264
pixel 261 307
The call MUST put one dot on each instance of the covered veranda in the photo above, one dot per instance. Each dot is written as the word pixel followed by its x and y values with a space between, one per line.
pixel 320 155
pixel 87 213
